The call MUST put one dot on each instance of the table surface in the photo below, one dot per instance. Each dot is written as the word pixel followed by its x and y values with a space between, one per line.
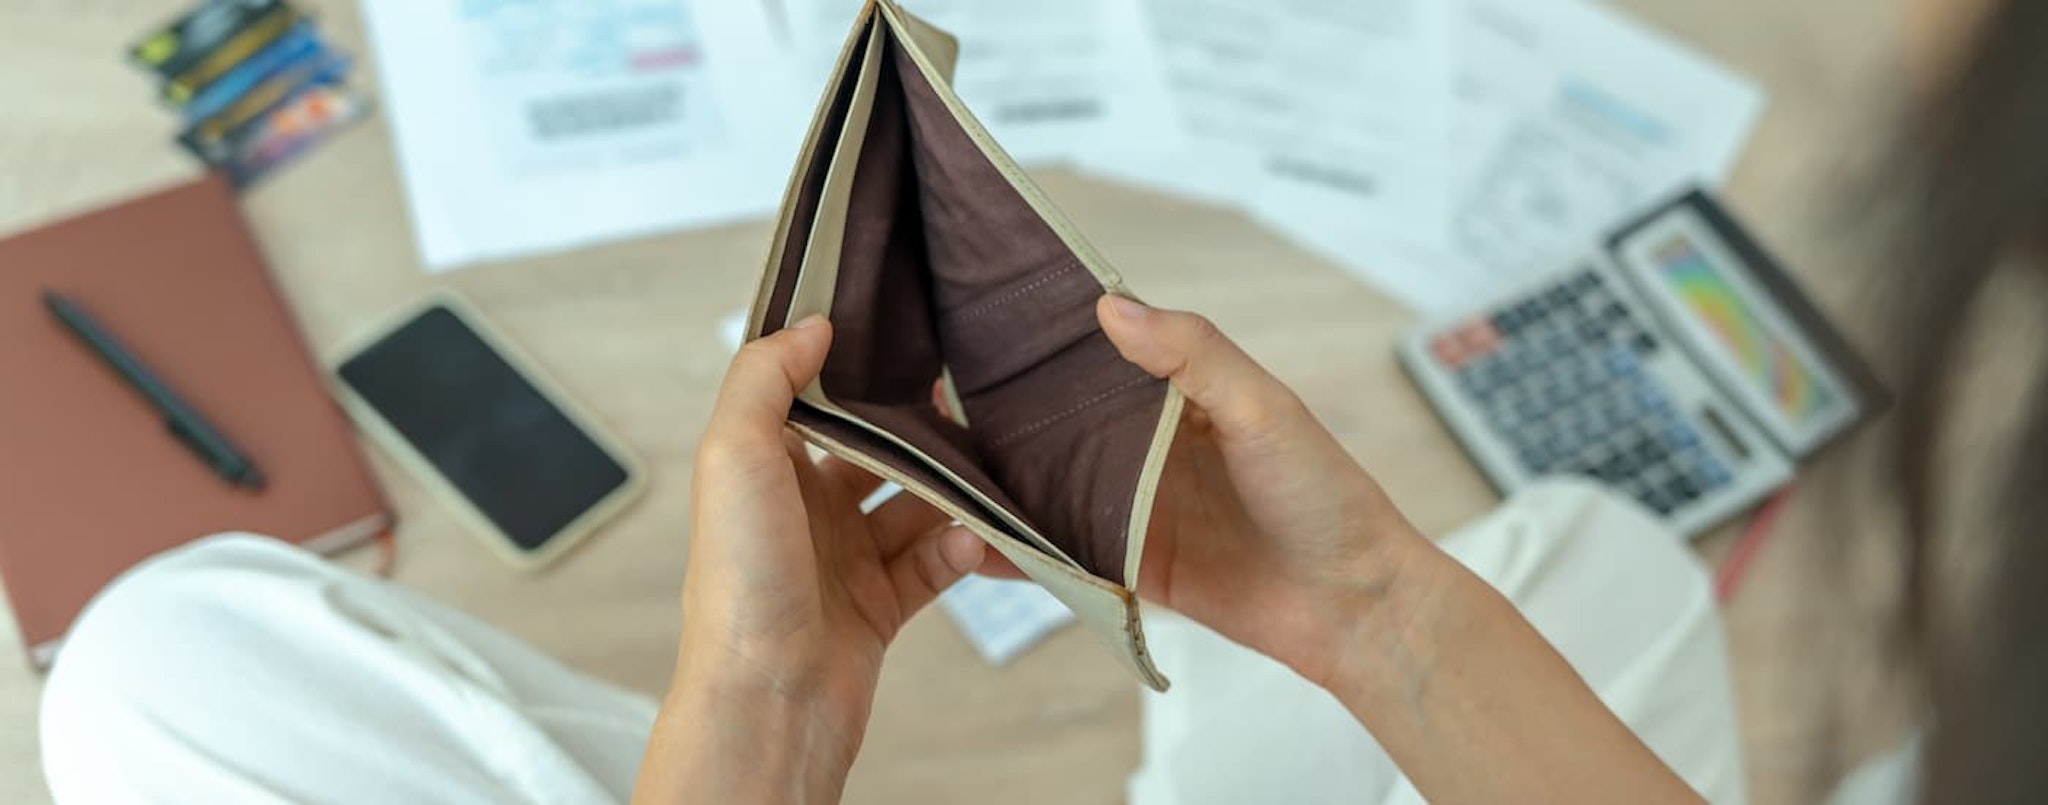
pixel 631 330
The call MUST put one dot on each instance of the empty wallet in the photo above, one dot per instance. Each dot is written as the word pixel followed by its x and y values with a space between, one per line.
pixel 940 264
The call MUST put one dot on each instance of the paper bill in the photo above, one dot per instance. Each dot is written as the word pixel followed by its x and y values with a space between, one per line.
pixel 1049 79
pixel 1570 118
pixel 541 125
pixel 1301 104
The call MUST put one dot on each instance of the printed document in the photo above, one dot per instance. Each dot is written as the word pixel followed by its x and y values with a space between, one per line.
pixel 1003 618
pixel 526 126
pixel 1570 118
pixel 1310 104
pixel 1048 78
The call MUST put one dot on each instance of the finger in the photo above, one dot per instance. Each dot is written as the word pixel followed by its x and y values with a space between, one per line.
pixel 1240 397
pixel 762 383
pixel 939 399
pixel 800 458
pixel 932 564
pixel 857 483
pixel 997 566
pixel 811 486
pixel 904 518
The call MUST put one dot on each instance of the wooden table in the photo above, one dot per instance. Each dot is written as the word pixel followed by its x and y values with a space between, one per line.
pixel 631 329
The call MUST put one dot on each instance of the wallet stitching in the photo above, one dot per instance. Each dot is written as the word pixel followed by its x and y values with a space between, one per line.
pixel 1013 295
pixel 1083 405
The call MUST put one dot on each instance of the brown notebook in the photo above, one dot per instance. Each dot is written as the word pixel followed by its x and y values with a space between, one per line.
pixel 91 482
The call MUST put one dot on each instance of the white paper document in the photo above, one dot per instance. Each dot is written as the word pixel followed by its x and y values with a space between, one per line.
pixel 1570 118
pixel 1048 78
pixel 527 126
pixel 1305 104
pixel 1003 618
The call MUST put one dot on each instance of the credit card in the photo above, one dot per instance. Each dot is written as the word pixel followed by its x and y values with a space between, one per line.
pixel 224 58
pixel 328 71
pixel 182 44
pixel 286 130
pixel 298 53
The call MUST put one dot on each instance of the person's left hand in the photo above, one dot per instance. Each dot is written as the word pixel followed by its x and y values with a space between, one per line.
pixel 791 593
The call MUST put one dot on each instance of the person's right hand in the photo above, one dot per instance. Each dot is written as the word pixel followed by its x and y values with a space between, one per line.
pixel 1268 532
pixel 1264 529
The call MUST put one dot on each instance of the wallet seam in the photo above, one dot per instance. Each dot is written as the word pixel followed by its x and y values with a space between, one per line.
pixel 1066 266
pixel 1083 251
pixel 1055 418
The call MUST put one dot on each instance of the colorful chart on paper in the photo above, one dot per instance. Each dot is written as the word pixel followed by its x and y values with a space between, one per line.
pixel 1760 354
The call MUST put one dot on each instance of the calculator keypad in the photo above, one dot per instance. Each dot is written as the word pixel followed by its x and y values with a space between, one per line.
pixel 1561 379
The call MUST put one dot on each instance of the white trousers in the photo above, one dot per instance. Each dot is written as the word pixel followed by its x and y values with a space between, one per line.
pixel 1619 595
pixel 242 669
pixel 239 669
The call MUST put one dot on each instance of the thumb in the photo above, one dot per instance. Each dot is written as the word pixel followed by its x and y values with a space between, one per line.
pixel 762 384
pixel 1242 399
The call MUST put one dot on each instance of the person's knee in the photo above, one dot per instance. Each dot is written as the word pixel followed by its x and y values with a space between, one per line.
pixel 1587 565
pixel 141 640
pixel 1577 517
pixel 171 588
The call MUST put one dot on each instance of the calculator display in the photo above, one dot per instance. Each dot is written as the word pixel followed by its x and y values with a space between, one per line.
pixel 1741 335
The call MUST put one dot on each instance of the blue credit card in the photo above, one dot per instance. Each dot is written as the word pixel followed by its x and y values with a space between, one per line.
pixel 290 129
pixel 217 138
pixel 322 68
pixel 296 46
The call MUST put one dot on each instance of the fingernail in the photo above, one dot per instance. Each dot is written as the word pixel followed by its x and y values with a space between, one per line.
pixel 962 550
pixel 808 322
pixel 1127 307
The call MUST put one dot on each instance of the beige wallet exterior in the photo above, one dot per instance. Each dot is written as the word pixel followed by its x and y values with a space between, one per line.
pixel 938 260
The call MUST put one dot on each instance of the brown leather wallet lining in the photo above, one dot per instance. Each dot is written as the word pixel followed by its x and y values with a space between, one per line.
pixel 945 264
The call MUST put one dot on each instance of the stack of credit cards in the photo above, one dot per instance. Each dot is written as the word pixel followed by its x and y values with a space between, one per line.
pixel 253 81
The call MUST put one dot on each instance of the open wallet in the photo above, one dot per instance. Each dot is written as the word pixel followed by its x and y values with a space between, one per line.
pixel 941 265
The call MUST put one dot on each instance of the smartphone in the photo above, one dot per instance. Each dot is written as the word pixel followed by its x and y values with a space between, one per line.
pixel 480 424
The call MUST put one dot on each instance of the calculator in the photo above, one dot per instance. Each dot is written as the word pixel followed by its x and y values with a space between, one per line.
pixel 1678 364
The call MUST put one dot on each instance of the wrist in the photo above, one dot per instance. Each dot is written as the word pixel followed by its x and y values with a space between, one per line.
pixel 1379 637
pixel 795 749
pixel 1364 598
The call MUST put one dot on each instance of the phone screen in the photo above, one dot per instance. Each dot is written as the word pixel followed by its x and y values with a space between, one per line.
pixel 495 437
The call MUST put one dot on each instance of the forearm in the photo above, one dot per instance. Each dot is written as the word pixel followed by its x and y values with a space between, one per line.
pixel 721 738
pixel 1475 706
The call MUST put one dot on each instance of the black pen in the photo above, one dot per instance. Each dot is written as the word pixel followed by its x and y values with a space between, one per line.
pixel 185 423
